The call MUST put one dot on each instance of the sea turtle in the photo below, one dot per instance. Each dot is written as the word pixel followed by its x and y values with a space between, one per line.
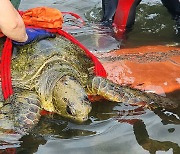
pixel 56 75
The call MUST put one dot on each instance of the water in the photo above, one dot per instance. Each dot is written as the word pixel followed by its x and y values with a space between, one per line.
pixel 112 128
pixel 153 22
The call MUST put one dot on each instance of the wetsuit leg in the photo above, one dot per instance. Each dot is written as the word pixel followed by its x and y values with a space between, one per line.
pixel 125 13
pixel 120 12
pixel 173 6
pixel 108 9
pixel 124 16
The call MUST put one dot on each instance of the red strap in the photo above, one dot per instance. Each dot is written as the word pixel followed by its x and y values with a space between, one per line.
pixel 6 69
pixel 76 16
pixel 76 23
pixel 121 16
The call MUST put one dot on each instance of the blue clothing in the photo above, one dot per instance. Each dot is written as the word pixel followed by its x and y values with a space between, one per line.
pixel 35 34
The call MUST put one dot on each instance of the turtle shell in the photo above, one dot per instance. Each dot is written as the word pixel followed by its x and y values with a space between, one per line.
pixel 31 61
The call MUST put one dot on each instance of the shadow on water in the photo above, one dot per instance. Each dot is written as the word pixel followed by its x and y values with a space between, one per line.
pixel 149 144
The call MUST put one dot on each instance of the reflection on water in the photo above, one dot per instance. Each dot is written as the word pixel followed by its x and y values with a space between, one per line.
pixel 111 128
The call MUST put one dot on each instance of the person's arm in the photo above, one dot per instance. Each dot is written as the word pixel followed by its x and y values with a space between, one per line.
pixel 11 23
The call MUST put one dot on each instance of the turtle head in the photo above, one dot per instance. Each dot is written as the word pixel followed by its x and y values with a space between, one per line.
pixel 70 99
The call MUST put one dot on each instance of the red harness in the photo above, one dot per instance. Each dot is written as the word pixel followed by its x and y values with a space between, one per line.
pixel 6 83
pixel 6 62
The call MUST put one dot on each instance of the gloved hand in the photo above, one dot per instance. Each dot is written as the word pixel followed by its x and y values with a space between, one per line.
pixel 35 34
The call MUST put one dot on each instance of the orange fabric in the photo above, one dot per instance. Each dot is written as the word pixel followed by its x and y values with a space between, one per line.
pixel 154 68
pixel 43 17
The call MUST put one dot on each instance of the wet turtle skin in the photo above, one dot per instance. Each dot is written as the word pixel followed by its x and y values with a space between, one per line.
pixel 56 75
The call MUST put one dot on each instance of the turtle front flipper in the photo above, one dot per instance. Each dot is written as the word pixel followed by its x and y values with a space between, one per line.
pixel 119 93
pixel 23 109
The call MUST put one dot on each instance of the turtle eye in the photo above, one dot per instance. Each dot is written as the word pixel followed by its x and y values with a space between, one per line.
pixel 69 110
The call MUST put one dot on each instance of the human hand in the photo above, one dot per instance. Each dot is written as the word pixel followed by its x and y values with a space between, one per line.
pixel 35 34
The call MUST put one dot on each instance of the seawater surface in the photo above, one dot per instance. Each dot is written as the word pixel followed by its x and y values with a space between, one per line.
pixel 115 128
